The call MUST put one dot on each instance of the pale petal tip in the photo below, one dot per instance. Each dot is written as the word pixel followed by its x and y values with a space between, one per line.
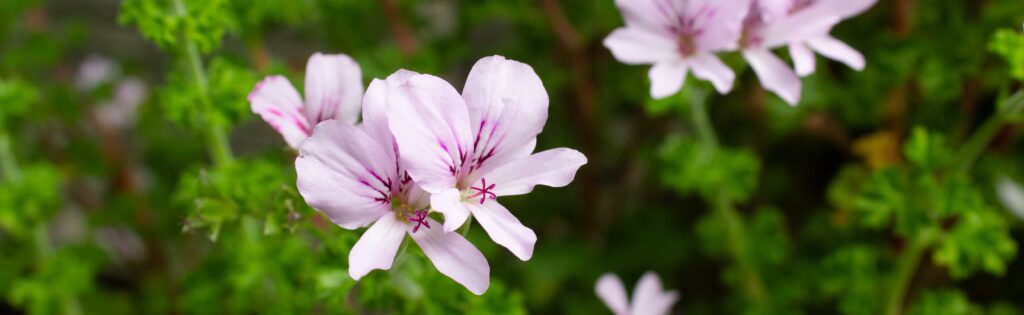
pixel 259 86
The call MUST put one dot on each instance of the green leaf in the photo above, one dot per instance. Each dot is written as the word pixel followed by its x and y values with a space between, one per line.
pixel 944 302
pixel 693 167
pixel 980 240
pixel 1009 44
pixel 927 150
pixel 204 22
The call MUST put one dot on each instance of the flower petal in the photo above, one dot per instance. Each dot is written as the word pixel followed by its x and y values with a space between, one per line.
pixel 454 257
pixel 1011 195
pixel 635 46
pixel 430 122
pixel 334 88
pixel 554 168
pixel 797 28
pixel 375 104
pixel 449 203
pixel 839 8
pixel 648 297
pixel 775 75
pixel 836 50
pixel 610 289
pixel 345 174
pixel 720 23
pixel 708 67
pixel 280 105
pixel 653 16
pixel 803 58
pixel 504 228
pixel 667 77
pixel 377 247
pixel 508 107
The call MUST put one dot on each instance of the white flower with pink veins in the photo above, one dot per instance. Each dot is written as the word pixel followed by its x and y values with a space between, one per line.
pixel 334 90
pixel 467 150
pixel 803 26
pixel 648 296
pixel 353 174
pixel 679 36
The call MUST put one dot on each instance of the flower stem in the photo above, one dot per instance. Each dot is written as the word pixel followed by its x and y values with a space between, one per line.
pixel 724 209
pixel 216 136
pixel 964 159
pixel 8 162
pixel 978 142
pixel 905 267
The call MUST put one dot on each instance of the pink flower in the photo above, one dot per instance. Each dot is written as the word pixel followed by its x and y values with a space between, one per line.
pixel 467 150
pixel 96 70
pixel 648 298
pixel 353 175
pixel 677 36
pixel 121 112
pixel 803 25
pixel 334 90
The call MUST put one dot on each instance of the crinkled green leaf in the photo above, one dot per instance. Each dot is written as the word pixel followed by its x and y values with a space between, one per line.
pixel 944 302
pixel 979 241
pixel 693 167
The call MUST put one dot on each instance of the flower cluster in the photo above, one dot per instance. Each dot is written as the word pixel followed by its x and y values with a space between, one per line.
pixel 421 148
pixel 679 36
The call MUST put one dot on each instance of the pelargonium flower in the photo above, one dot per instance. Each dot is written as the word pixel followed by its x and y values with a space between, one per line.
pixel 648 297
pixel 677 36
pixel 334 90
pixel 467 150
pixel 121 111
pixel 96 70
pixel 353 175
pixel 803 25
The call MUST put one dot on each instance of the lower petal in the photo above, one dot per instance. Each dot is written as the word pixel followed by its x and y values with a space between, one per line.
pixel 775 75
pixel 707 66
pixel 648 297
pixel 377 247
pixel 803 58
pixel 837 50
pixel 667 78
pixel 449 203
pixel 610 289
pixel 454 257
pixel 554 168
pixel 637 46
pixel 504 228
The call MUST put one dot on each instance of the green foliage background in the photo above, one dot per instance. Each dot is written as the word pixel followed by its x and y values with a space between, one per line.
pixel 874 195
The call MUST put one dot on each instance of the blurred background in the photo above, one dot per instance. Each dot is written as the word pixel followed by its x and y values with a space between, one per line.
pixel 135 179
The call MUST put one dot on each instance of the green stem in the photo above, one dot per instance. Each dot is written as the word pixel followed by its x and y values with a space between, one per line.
pixel 906 266
pixel 216 136
pixel 8 162
pixel 978 142
pixel 724 209
pixel 738 246
pixel 705 131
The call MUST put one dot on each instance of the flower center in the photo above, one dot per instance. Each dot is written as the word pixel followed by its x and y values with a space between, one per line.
pixel 484 191
pixel 686 46
pixel 420 218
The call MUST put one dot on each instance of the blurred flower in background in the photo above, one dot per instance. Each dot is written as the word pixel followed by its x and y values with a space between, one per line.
pixel 649 298
pixel 334 90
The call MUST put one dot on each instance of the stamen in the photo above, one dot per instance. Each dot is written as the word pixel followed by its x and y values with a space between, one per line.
pixel 420 218
pixel 484 192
